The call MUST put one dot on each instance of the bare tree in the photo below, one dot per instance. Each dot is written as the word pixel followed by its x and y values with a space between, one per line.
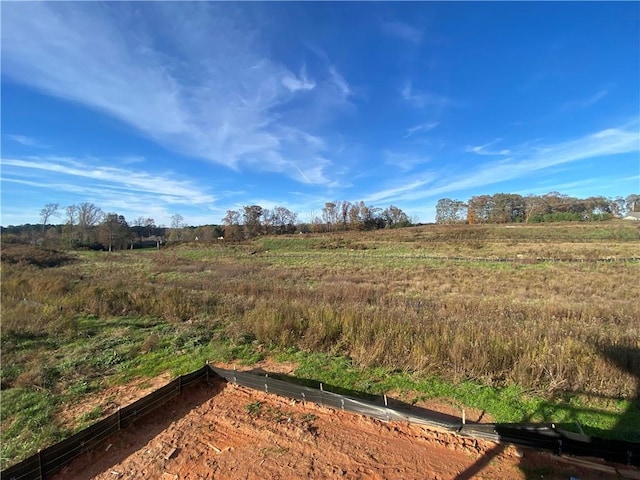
pixel 89 216
pixel 177 223
pixel 330 215
pixel 231 223
pixel 48 211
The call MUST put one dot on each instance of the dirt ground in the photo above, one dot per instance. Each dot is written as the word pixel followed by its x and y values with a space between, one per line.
pixel 223 431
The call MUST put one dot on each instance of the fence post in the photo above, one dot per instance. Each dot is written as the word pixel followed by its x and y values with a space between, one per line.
pixel 321 395
pixel 40 470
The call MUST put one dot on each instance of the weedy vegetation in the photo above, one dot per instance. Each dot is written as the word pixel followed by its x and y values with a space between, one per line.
pixel 527 322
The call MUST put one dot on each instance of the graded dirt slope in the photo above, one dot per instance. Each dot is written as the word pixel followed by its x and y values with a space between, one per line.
pixel 219 430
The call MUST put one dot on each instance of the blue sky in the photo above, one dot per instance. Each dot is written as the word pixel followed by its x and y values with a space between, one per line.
pixel 152 109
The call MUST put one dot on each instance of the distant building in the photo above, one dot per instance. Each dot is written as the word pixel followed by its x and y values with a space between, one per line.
pixel 632 216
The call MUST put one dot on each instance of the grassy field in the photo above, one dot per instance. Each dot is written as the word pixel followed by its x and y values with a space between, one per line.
pixel 526 322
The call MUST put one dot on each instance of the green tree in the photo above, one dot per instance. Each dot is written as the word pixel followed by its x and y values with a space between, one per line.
pixel 114 232
pixel 251 220
pixel 394 217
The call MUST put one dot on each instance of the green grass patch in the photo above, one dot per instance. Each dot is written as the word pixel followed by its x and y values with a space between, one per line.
pixel 28 423
pixel 607 418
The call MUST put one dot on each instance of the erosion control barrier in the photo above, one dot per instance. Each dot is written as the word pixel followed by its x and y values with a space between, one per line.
pixel 49 460
pixel 325 398
pixel 539 436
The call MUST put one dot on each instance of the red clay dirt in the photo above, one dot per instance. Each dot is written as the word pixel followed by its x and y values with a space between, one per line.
pixel 222 431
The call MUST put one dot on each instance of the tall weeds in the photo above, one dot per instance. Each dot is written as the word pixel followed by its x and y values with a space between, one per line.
pixel 544 326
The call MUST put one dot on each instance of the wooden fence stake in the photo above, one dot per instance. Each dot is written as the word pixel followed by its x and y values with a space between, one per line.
pixel 40 472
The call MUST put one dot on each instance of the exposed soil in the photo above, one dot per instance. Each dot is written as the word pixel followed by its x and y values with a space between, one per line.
pixel 111 399
pixel 218 430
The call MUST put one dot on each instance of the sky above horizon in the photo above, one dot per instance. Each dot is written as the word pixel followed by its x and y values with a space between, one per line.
pixel 160 108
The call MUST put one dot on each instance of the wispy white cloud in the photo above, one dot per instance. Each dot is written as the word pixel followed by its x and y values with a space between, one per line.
pixel 26 141
pixel 420 99
pixel 586 102
pixel 219 96
pixel 403 161
pixel 402 30
pixel 526 160
pixel 483 149
pixel 339 82
pixel 401 191
pixel 298 83
pixel 78 176
pixel 422 128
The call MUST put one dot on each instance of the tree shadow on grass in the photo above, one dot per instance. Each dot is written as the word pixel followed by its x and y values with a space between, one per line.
pixel 626 359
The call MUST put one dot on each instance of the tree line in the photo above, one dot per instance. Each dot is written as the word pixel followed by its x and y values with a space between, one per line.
pixel 551 207
pixel 87 226
pixel 255 220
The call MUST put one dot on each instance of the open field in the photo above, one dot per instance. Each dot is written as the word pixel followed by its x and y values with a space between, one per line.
pixel 526 322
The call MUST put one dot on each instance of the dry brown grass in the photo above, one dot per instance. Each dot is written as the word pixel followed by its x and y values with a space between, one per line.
pixel 384 301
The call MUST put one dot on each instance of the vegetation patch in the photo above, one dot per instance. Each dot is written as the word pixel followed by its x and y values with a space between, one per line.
pixel 543 341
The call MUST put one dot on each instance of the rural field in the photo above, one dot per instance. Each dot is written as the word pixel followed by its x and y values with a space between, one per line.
pixel 526 323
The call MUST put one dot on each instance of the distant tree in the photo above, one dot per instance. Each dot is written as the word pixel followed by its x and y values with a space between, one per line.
pixel 48 211
pixel 617 207
pixel 344 208
pixel 231 223
pixel 251 220
pixel 371 216
pixel 88 216
pixel 534 206
pixel 283 220
pixel 394 217
pixel 355 221
pixel 68 231
pixel 506 208
pixel 267 221
pixel 207 233
pixel 451 211
pixel 330 215
pixel 177 224
pixel 632 203
pixel 114 232
pixel 478 209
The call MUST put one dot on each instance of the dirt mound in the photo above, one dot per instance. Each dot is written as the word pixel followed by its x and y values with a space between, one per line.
pixel 219 430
